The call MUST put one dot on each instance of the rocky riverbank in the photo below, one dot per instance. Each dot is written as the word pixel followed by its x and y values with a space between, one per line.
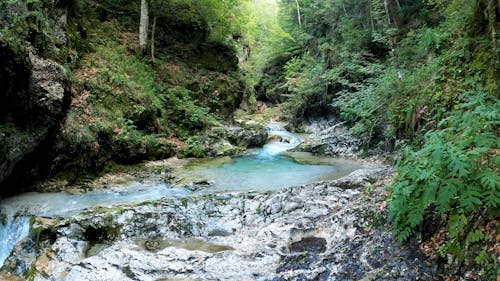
pixel 324 231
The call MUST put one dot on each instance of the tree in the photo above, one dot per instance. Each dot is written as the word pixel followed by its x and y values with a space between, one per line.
pixel 298 12
pixel 143 26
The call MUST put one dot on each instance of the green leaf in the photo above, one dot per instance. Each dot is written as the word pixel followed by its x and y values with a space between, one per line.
pixel 446 195
pixel 459 166
pixel 475 236
pixel 470 199
pixel 456 225
pixel 490 180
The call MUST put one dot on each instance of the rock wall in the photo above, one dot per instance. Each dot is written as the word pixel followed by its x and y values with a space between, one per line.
pixel 37 38
pixel 33 109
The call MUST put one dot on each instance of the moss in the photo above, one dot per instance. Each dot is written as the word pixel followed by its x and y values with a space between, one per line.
pixel 31 273
pixel 228 150
pixel 184 202
pixel 131 108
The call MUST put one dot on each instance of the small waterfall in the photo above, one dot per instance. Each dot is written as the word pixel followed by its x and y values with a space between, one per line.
pixel 12 230
pixel 280 141
pixel 16 211
pixel 266 168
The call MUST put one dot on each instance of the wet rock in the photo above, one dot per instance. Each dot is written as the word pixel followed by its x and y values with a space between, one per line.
pixel 330 137
pixel 95 249
pixel 229 140
pixel 275 138
pixel 331 233
pixel 309 244
pixel 249 136
pixel 153 245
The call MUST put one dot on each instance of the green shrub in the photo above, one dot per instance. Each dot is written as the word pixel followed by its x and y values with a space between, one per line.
pixel 454 174
pixel 194 148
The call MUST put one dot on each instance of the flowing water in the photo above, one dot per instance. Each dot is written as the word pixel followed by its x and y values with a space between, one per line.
pixel 16 211
pixel 268 168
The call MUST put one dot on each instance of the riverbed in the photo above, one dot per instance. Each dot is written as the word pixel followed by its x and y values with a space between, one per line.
pixel 270 168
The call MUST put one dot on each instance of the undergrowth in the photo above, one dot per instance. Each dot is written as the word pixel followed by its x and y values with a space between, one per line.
pixel 454 176
pixel 416 76
pixel 125 108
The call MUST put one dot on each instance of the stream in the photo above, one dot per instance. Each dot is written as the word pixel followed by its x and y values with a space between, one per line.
pixel 269 168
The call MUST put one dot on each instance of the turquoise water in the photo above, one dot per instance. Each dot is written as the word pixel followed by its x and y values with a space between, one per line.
pixel 268 168
pixel 262 172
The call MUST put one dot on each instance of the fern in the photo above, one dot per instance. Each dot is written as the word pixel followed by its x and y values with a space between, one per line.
pixel 455 173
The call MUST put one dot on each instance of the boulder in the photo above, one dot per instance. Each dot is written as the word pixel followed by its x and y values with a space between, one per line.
pixel 330 137
pixel 229 140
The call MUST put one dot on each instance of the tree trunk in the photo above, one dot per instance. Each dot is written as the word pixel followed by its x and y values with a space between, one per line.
pixel 387 10
pixel 143 26
pixel 371 17
pixel 392 40
pixel 399 5
pixel 153 39
pixel 396 61
pixel 298 13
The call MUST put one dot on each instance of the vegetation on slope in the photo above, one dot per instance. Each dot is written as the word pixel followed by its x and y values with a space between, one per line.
pixel 126 105
pixel 420 74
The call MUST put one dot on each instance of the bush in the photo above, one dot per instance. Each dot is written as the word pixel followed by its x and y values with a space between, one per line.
pixel 454 175
pixel 194 148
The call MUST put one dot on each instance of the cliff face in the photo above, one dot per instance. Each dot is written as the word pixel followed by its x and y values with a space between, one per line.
pixel 33 99
pixel 32 110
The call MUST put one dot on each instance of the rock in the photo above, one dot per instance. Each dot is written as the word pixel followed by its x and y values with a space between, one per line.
pixel 43 106
pixel 60 19
pixel 275 138
pixel 249 136
pixel 230 140
pixel 309 244
pixel 329 233
pixel 330 137
pixel 9 277
pixel 49 87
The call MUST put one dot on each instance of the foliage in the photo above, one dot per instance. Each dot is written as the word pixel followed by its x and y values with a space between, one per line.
pixel 304 82
pixel 208 19
pixel 194 148
pixel 222 17
pixel 425 72
pixel 128 109
pixel 454 171
pixel 34 23
pixel 188 116
pixel 343 51
pixel 263 37
pixel 454 174
pixel 21 20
